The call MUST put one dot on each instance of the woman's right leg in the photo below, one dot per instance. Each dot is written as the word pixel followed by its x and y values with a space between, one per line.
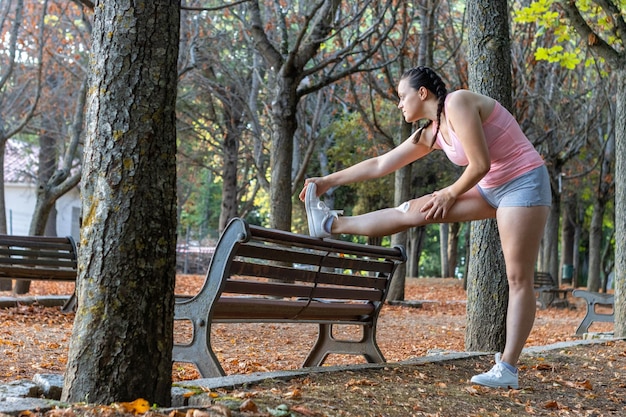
pixel 385 222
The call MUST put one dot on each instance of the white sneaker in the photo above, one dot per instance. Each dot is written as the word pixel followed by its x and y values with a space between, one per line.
pixel 498 377
pixel 317 213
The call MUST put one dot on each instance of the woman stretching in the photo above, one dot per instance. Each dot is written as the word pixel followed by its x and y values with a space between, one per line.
pixel 504 178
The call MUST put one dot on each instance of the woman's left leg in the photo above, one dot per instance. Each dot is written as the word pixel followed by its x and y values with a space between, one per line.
pixel 521 230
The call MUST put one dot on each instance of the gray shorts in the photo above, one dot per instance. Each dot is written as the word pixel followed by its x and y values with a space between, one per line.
pixel 528 190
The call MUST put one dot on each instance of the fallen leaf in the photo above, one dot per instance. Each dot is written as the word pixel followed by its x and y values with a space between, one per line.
pixel 305 411
pixel 139 406
pixel 248 405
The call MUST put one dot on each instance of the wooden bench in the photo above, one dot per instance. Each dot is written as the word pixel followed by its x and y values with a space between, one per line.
pixel 594 299
pixel 265 275
pixel 548 291
pixel 39 258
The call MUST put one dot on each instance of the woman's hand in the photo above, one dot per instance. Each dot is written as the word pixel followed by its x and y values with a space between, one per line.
pixel 439 204
pixel 319 183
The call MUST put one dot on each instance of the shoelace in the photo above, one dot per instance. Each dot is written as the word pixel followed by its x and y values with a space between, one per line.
pixel 496 370
pixel 322 206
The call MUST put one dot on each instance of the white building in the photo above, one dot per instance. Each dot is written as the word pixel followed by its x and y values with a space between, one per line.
pixel 20 197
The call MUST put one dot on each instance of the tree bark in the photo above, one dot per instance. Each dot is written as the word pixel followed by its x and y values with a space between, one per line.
pixel 620 204
pixel 490 74
pixel 121 347
pixel 402 193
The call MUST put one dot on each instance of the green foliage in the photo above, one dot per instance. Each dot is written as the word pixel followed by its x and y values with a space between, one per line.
pixel 545 15
pixel 352 145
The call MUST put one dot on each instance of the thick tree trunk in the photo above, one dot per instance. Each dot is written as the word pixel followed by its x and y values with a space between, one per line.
pixel 121 347
pixel 490 74
pixel 487 290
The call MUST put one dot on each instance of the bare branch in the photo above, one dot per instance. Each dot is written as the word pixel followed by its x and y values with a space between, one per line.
pixel 87 3
pixel 209 9
pixel 12 46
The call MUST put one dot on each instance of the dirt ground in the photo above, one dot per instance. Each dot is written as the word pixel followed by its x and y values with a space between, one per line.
pixel 580 381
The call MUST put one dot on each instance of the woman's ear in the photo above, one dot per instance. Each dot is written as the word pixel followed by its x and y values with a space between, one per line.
pixel 423 92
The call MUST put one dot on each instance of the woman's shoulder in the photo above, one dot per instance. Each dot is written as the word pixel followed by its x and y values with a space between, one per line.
pixel 468 96
pixel 462 99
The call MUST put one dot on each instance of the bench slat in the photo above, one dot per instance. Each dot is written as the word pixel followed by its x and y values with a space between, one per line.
pixel 34 262
pixel 287 290
pixel 314 258
pixel 259 310
pixel 37 242
pixel 38 274
pixel 325 244
pixel 306 275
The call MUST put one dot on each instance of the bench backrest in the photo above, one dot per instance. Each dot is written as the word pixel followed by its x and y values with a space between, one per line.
pixel 544 279
pixel 266 263
pixel 38 257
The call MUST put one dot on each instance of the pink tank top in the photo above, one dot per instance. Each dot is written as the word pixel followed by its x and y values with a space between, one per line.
pixel 511 152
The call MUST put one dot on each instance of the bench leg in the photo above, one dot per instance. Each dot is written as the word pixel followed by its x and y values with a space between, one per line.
pixel 593 317
pixel 327 344
pixel 199 352
pixel 203 359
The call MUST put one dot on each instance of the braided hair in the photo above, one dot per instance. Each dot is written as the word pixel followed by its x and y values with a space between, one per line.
pixel 426 77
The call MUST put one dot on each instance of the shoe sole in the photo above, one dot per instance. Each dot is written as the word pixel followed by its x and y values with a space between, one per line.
pixel 486 384
pixel 311 190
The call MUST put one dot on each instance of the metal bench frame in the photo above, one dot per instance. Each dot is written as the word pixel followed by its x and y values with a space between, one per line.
pixel 593 299
pixel 265 275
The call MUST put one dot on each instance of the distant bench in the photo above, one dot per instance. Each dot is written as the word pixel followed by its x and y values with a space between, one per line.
pixel 548 292
pixel 594 299
pixel 266 275
pixel 39 258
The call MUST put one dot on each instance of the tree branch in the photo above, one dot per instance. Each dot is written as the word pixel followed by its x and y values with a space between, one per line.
pixel 599 45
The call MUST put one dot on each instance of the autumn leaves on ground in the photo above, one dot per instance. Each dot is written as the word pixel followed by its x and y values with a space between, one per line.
pixel 35 340
pixel 579 381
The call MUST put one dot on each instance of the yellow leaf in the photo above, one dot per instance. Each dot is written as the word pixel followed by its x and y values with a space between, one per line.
pixel 139 406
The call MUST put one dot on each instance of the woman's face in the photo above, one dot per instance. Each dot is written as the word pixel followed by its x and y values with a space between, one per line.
pixel 410 102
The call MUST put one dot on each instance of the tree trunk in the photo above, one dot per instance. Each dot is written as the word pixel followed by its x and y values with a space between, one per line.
pixel 444 236
pixel 233 111
pixel 487 290
pixel 402 194
pixel 490 74
pixel 453 248
pixel 121 347
pixel 595 247
pixel 5 284
pixel 48 156
pixel 567 243
pixel 620 204
pixel 551 237
pixel 284 125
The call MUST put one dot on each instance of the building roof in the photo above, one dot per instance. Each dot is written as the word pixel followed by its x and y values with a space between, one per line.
pixel 20 162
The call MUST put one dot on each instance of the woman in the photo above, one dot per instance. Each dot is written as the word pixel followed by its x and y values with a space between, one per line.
pixel 504 177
